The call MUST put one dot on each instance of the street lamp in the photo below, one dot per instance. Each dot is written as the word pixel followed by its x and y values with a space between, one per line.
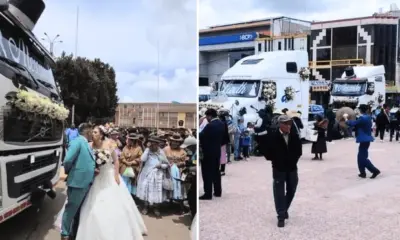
pixel 52 42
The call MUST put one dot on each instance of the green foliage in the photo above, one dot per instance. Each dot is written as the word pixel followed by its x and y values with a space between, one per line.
pixel 89 84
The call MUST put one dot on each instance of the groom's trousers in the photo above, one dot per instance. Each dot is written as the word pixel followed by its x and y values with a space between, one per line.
pixel 74 203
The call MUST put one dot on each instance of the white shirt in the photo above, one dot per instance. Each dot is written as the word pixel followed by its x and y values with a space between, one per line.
pixel 285 136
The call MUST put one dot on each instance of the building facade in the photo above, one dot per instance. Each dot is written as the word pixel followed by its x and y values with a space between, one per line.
pixel 338 44
pixel 222 46
pixel 170 115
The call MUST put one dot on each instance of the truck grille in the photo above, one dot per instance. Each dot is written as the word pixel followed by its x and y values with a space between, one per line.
pixel 22 127
pixel 17 168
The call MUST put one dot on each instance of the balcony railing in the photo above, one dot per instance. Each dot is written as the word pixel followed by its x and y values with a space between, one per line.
pixel 335 63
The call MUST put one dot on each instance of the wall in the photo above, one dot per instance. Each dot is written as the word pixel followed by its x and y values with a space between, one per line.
pixel 145 115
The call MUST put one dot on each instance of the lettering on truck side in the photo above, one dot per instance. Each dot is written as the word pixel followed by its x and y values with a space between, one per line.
pixel 245 37
pixel 24 205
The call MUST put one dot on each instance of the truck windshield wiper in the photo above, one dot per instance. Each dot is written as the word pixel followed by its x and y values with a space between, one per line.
pixel 12 63
pixel 19 66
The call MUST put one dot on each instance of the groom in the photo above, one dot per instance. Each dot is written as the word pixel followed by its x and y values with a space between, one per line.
pixel 80 166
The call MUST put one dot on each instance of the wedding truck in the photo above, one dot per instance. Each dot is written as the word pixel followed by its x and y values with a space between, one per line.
pixel 359 85
pixel 280 79
pixel 31 112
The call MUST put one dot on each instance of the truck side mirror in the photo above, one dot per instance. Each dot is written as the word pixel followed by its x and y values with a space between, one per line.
pixel 4 5
pixel 370 88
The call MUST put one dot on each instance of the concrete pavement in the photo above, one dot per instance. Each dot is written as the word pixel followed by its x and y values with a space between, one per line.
pixel 331 202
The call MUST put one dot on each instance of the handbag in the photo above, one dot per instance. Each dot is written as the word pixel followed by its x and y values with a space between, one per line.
pixel 313 135
pixel 167 181
pixel 128 172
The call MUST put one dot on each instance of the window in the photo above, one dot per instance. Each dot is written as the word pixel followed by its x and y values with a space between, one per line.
pixel 240 88
pixel 279 45
pixel 134 121
pixel 125 106
pixel 252 61
pixel 291 67
pixel 259 47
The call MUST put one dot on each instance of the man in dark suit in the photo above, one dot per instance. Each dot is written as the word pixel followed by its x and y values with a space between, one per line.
pixel 284 150
pixel 211 139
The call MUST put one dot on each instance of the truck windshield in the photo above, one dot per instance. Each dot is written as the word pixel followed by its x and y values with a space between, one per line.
pixel 240 88
pixel 348 89
pixel 16 46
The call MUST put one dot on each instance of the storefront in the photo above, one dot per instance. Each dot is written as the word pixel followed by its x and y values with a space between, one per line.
pixel 320 92
pixel 219 53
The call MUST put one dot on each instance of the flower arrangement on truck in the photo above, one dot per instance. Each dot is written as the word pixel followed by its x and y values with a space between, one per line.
pixel 31 112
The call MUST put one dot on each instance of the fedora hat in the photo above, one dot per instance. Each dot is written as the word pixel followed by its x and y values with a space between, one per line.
pixel 132 136
pixel 155 139
pixel 176 137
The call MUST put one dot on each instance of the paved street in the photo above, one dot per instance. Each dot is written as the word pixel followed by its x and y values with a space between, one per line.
pixel 331 203
pixel 39 226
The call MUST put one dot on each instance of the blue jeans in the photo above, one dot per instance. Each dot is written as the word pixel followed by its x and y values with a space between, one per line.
pixel 362 159
pixel 236 146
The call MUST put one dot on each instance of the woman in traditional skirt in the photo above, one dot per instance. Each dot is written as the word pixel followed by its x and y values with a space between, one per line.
pixel 177 159
pixel 130 158
pixel 319 147
pixel 226 141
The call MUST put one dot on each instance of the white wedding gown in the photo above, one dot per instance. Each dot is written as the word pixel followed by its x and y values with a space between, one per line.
pixel 109 212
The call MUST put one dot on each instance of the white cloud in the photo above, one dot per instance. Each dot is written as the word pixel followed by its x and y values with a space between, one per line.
pixel 143 85
pixel 231 11
pixel 126 34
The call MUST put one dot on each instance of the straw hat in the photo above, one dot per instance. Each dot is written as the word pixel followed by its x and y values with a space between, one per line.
pixel 293 113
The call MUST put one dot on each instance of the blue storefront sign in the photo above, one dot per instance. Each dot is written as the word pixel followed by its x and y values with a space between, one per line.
pixel 242 37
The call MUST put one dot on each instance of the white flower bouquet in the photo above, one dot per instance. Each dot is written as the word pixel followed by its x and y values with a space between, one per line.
pixel 102 157
pixel 289 93
pixel 31 102
pixel 304 73
pixel 380 98
pixel 269 90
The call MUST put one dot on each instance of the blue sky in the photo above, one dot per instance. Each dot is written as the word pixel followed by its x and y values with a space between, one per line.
pixel 213 12
pixel 126 33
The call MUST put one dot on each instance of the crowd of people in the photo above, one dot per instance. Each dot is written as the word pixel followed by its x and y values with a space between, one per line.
pixel 276 135
pixel 112 169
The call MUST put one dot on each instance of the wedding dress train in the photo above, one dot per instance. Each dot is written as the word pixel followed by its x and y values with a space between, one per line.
pixel 109 211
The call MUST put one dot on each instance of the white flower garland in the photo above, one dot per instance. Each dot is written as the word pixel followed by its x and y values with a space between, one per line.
pixel 289 93
pixel 31 102
pixel 269 90
pixel 304 73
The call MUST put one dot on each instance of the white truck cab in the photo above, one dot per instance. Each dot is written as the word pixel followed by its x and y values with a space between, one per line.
pixel 359 85
pixel 257 80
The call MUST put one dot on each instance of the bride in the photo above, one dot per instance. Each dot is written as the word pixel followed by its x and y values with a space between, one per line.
pixel 109 211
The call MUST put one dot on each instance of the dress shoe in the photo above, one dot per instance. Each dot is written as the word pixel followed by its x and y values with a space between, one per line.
pixel 375 174
pixel 362 175
pixel 205 197
pixel 217 195
pixel 281 223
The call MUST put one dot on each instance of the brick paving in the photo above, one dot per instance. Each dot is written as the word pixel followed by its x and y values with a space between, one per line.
pixel 331 203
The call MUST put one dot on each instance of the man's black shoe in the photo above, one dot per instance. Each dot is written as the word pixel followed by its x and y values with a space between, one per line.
pixel 281 223
pixel 362 175
pixel 286 215
pixel 375 174
pixel 205 197
pixel 217 195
